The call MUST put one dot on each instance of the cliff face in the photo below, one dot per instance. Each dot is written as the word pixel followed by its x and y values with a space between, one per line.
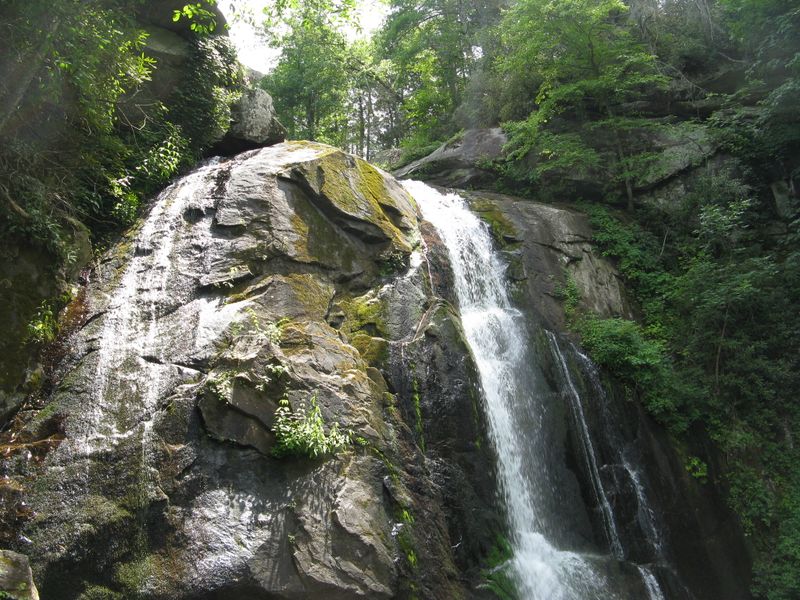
pixel 664 517
pixel 292 272
pixel 297 281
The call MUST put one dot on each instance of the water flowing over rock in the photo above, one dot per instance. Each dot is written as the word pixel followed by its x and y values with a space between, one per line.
pixel 299 274
pixel 678 529
pixel 550 558
pixel 291 272
pixel 563 443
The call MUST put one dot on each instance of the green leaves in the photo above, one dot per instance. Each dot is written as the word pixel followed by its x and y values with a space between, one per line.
pixel 301 432
pixel 587 65
pixel 203 21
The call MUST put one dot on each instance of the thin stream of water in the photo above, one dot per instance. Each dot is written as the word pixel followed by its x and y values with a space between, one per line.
pixel 495 333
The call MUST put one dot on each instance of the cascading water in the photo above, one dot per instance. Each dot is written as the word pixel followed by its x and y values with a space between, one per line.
pixel 645 515
pixel 130 357
pixel 496 334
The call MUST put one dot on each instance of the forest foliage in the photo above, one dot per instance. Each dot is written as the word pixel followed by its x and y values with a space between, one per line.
pixel 584 89
pixel 84 142
pixel 581 87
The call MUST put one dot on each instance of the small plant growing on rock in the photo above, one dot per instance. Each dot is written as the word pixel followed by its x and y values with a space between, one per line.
pixel 302 433
pixel 272 331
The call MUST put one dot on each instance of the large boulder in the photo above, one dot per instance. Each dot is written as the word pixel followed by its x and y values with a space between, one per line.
pixel 287 278
pixel 461 162
pixel 160 13
pixel 254 124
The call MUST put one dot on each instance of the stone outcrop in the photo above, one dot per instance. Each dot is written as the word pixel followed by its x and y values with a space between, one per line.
pixel 543 244
pixel 16 580
pixel 289 273
pixel 462 162
pixel 254 124
pixel 159 13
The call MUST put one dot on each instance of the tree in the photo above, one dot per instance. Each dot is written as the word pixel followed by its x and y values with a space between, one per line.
pixel 587 64
pixel 310 81
pixel 434 45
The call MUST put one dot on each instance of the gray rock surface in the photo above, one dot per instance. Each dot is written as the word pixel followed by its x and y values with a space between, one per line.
pixel 159 13
pixel 289 272
pixel 253 124
pixel 461 162
pixel 544 244
pixel 16 580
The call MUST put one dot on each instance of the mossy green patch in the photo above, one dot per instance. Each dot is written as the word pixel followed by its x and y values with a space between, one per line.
pixel 365 314
pixel 317 240
pixel 503 230
pixel 418 427
pixel 133 576
pixel 374 350
pixel 497 572
pixel 99 592
pixel 357 189
pixel 309 292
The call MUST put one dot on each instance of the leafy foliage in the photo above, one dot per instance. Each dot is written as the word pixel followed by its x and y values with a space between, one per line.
pixel 104 150
pixel 717 298
pixel 301 432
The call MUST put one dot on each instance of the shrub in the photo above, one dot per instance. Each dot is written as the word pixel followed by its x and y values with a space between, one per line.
pixel 302 433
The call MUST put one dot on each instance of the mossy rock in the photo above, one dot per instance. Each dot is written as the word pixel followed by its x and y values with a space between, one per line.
pixel 99 592
pixel 374 350
pixel 366 314
pixel 503 230
pixel 359 191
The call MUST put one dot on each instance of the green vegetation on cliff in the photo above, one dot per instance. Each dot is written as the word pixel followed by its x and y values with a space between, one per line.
pixel 683 112
pixel 85 135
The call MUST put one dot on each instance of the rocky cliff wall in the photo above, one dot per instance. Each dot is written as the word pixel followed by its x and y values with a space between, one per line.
pixel 295 274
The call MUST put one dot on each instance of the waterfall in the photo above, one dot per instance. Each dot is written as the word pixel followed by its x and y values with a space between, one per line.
pixel 130 339
pixel 496 334
pixel 645 515
pixel 589 454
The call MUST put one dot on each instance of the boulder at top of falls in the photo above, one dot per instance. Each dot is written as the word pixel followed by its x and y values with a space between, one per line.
pixel 16 580
pixel 461 161
pixel 254 124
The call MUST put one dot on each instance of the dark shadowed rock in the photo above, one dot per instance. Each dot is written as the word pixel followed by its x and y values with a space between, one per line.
pixel 462 162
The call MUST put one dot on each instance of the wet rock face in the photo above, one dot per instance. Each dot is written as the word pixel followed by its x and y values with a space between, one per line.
pixel 289 273
pixel 543 245
pixel 678 528
pixel 461 162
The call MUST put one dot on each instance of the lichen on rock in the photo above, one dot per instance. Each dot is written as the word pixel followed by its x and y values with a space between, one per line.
pixel 283 273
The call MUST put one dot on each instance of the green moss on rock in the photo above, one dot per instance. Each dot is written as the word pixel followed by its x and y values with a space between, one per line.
pixel 365 314
pixel 358 190
pixel 503 230
pixel 374 350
